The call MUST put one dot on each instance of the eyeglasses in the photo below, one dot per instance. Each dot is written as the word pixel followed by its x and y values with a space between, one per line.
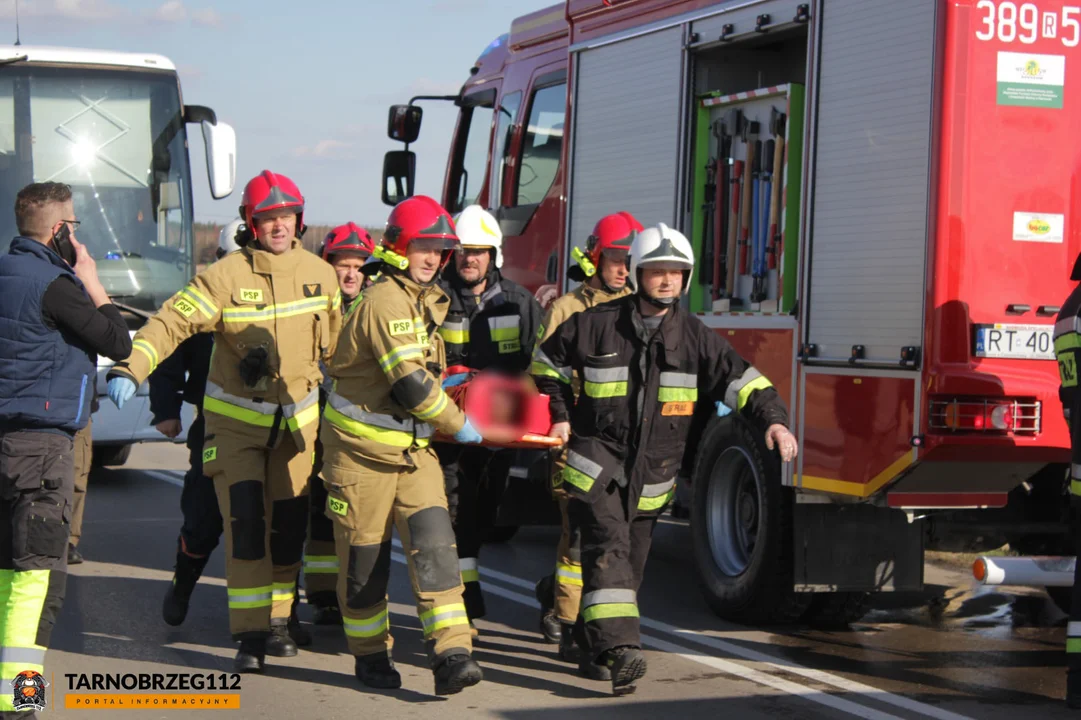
pixel 74 223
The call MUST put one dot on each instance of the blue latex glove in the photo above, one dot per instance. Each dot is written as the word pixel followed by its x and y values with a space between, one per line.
pixel 722 409
pixel 121 389
pixel 468 434
pixel 456 379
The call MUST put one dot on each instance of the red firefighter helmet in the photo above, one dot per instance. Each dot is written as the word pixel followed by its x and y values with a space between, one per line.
pixel 416 218
pixel 348 239
pixel 271 191
pixel 612 232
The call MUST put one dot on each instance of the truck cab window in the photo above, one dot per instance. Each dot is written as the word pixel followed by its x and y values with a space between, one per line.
pixel 508 111
pixel 474 135
pixel 542 145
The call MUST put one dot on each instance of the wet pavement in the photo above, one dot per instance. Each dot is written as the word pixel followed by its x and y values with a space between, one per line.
pixel 956 650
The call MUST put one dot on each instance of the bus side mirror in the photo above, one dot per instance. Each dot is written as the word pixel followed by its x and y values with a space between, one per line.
pixel 220 141
pixel 399 172
pixel 403 123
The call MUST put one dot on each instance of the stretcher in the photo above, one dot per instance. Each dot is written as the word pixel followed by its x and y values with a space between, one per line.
pixel 509 409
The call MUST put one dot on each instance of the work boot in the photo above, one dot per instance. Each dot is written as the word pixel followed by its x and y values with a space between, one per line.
pixel 568 647
pixel 186 573
pixel 592 669
pixel 279 644
pixel 326 615
pixel 74 556
pixel 544 591
pixel 627 665
pixel 377 671
pixel 251 656
pixel 456 673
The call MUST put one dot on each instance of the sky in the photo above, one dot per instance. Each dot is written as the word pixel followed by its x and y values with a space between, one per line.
pixel 306 85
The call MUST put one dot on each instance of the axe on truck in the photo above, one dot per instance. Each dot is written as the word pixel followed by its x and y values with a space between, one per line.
pixel 761 274
pixel 776 242
pixel 750 133
pixel 729 126
pixel 709 209
pixel 733 227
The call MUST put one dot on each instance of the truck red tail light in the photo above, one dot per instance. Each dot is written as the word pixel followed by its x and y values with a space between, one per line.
pixel 999 416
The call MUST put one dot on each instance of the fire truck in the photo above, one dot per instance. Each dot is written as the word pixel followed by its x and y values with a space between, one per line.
pixel 880 197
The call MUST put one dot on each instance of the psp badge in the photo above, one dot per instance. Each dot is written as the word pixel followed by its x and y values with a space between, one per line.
pixel 29 690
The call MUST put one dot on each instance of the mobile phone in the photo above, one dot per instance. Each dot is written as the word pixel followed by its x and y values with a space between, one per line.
pixel 62 244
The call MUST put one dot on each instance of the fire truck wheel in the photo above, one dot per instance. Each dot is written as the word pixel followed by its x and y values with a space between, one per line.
pixel 741 524
pixel 834 611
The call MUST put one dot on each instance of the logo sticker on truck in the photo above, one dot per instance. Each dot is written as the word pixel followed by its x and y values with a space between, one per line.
pixel 1039 227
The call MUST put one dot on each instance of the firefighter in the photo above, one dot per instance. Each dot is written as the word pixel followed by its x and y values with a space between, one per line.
pixel 643 361
pixel 346 247
pixel 379 468
pixel 491 325
pixel 602 269
pixel 261 401
pixel 1068 352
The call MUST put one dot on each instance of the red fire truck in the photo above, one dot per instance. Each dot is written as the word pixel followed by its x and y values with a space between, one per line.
pixel 880 198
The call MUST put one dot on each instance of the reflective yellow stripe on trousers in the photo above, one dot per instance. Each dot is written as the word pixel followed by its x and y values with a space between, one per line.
pixel 23 592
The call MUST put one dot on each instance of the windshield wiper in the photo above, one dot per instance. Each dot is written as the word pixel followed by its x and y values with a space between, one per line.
pixel 13 60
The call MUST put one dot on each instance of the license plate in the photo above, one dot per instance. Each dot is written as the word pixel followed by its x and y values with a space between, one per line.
pixel 1023 342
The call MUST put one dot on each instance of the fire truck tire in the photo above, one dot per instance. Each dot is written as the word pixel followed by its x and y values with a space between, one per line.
pixel 741 525
pixel 835 611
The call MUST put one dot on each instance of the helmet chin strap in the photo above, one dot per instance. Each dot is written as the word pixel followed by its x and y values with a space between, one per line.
pixel 659 303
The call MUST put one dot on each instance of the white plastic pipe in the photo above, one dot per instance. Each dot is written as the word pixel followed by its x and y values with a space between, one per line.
pixel 1025 571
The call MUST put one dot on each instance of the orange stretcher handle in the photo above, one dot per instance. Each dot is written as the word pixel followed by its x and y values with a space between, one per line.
pixel 528 441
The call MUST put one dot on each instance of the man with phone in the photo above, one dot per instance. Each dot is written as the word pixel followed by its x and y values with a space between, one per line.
pixel 55 317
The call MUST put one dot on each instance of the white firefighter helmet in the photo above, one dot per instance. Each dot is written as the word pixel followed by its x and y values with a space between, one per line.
pixel 661 244
pixel 227 238
pixel 478 228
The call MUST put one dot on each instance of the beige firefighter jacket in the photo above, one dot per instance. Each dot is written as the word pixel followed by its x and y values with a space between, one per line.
pixel 387 400
pixel 288 305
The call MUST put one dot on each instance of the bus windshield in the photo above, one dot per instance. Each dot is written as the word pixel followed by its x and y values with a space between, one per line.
pixel 117 137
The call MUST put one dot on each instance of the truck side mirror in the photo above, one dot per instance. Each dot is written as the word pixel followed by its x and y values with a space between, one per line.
pixel 220 141
pixel 403 123
pixel 399 172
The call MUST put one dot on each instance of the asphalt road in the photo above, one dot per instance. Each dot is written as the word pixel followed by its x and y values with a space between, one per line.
pixel 954 652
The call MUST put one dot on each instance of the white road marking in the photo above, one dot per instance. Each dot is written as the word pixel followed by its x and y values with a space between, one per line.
pixel 166 476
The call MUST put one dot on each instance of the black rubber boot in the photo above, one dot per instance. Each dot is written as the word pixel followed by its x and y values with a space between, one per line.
pixel 74 556
pixel 568 647
pixel 300 634
pixel 251 657
pixel 627 665
pixel 279 644
pixel 187 572
pixel 456 673
pixel 544 591
pixel 378 671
